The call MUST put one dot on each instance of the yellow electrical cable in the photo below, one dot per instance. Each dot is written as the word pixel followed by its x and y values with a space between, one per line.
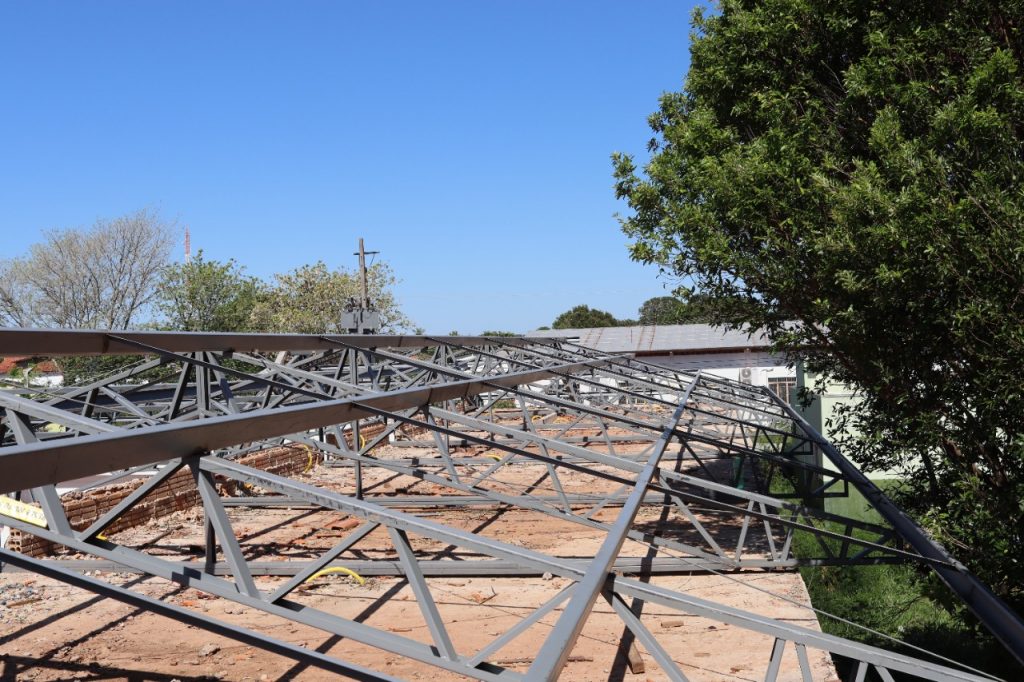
pixel 102 534
pixel 309 463
pixel 336 569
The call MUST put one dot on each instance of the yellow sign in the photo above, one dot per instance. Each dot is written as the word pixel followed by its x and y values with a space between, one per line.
pixel 22 511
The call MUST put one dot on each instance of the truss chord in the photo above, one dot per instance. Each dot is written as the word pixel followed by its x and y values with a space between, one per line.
pixel 216 410
pixel 558 645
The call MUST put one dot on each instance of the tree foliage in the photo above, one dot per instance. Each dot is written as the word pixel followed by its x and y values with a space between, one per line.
pixel 675 310
pixel 857 168
pixel 207 295
pixel 663 310
pixel 312 298
pixel 102 278
pixel 584 317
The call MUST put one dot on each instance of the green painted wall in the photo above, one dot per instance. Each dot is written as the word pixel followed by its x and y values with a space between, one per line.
pixel 818 414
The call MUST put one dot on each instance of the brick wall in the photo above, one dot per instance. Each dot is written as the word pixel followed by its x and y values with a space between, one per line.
pixel 177 493
pixel 366 432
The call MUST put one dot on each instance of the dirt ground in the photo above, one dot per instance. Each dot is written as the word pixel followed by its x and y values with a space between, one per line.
pixel 51 631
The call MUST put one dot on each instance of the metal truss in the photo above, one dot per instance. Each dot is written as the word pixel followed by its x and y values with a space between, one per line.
pixel 712 455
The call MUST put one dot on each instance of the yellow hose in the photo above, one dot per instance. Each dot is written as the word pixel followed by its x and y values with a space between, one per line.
pixel 336 569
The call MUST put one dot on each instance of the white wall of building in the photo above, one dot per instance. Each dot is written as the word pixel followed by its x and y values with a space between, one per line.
pixel 762 365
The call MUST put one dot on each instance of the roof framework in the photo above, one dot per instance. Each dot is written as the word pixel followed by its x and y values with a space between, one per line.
pixel 679 441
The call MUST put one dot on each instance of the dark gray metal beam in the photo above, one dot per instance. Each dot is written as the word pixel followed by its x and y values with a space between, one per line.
pixel 1001 621
pixel 305 391
pixel 184 615
pixel 487 546
pixel 432 568
pixel 56 342
pixel 32 465
pixel 559 643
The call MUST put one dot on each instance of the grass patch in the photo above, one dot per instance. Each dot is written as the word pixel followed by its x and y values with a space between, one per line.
pixel 900 601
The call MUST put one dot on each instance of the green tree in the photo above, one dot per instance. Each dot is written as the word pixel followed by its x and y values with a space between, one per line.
pixel 584 317
pixel 312 298
pixel 207 295
pixel 857 168
pixel 672 310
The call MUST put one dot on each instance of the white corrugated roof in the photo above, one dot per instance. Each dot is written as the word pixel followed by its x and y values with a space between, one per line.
pixel 669 337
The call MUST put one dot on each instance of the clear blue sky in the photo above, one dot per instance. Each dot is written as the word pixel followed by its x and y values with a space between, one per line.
pixel 467 141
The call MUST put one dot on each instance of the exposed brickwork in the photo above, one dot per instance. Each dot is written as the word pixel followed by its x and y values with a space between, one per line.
pixel 177 493
pixel 366 432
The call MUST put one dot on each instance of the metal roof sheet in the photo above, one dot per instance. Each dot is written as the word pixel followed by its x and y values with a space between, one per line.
pixel 672 337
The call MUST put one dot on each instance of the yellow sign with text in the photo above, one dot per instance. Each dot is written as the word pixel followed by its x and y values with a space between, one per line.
pixel 22 511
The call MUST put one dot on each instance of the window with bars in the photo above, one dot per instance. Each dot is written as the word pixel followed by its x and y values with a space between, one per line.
pixel 784 387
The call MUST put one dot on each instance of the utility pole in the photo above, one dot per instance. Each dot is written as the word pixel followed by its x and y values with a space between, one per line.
pixel 363 253
pixel 362 319
pixel 362 275
pixel 365 320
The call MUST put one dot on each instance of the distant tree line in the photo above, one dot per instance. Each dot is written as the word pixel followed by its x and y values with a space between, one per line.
pixel 657 310
pixel 211 295
pixel 117 274
pixel 101 277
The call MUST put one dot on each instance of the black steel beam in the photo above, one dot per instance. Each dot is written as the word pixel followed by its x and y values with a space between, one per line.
pixel 1001 621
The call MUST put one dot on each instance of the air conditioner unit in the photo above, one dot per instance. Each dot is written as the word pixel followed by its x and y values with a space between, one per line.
pixel 747 375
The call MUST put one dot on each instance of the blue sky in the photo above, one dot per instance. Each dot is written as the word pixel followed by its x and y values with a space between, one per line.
pixel 469 142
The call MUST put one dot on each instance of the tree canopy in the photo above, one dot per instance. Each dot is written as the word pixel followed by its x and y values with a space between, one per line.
pixel 207 295
pixel 312 298
pixel 115 275
pixel 102 277
pixel 675 310
pixel 584 317
pixel 856 168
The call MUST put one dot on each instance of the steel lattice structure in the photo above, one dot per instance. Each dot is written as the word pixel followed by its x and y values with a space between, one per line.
pixel 650 435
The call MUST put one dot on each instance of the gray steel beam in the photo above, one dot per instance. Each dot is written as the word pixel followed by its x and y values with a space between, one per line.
pixel 217 520
pixel 312 567
pixel 131 500
pixel 617 584
pixel 32 465
pixel 650 642
pixel 558 645
pixel 632 422
pixel 431 568
pixel 490 547
pixel 414 576
pixel 55 342
pixel 448 377
pixel 184 615
pixel 53 414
